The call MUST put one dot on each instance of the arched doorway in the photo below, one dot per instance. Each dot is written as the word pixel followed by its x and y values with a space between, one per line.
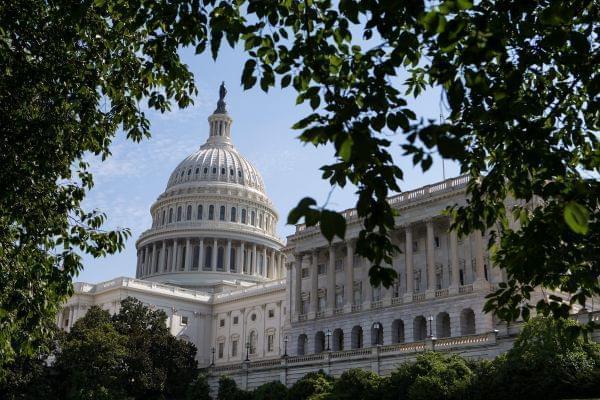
pixel 420 328
pixel 319 342
pixel 302 342
pixel 357 337
pixel 377 334
pixel 467 322
pixel 398 331
pixel 338 340
pixel 442 325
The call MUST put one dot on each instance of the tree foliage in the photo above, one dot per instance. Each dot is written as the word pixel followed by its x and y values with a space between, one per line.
pixel 311 384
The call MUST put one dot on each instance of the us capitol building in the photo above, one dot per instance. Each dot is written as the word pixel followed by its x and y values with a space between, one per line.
pixel 259 308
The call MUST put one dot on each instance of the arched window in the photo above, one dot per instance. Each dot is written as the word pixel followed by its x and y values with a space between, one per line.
pixel 231 172
pixel 442 326
pixel 196 256
pixel 222 213
pixel 199 215
pixel 220 254
pixel 163 218
pixel 377 334
pixel 178 213
pixel 211 212
pixel 170 215
pixel 398 331
pixel 260 220
pixel 205 170
pixel 338 340
pixel 243 216
pixel 208 257
pixel 302 341
pixel 233 214
pixel 214 170
pixel 319 342
pixel 253 340
pixel 222 171
pixel 467 322
pixel 232 260
pixel 419 328
pixel 253 218
pixel 357 337
pixel 239 174
pixel 189 213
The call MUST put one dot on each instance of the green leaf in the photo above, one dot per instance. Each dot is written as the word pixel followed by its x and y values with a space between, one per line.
pixel 577 216
pixel 332 224
pixel 346 149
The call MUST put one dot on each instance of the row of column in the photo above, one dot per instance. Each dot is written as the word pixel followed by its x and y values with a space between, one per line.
pixel 160 257
pixel 348 294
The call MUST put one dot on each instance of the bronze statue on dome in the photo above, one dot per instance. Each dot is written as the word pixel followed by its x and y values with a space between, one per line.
pixel 221 103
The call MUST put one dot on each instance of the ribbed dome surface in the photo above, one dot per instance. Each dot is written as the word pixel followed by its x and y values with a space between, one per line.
pixel 217 162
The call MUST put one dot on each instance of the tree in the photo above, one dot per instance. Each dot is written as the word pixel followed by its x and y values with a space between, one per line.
pixel 92 358
pixel 159 364
pixel 228 390
pixel 198 389
pixel 270 391
pixel 311 384
pixel 548 361
pixel 357 384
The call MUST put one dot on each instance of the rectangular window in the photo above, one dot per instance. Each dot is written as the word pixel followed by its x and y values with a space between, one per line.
pixel 270 342
pixel 221 349
pixel 235 320
pixel 184 320
pixel 339 299
pixel 436 240
pixel 415 246
pixel 305 305
pixel 322 269
pixel 271 313
pixel 322 303
pixel 234 346
pixel 222 323
pixel 305 272
pixel 339 265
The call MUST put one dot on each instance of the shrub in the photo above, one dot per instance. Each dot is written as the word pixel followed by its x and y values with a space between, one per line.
pixel 310 386
pixel 270 391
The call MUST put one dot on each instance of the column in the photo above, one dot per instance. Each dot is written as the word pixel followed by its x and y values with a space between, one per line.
pixel 138 268
pixel 430 258
pixel 175 255
pixel 214 255
pixel 479 258
pixel 153 258
pixel 455 279
pixel 331 281
pixel 161 261
pixel 349 275
pixel 408 253
pixel 254 263
pixel 201 255
pixel 314 285
pixel 273 266
pixel 264 262
pixel 297 264
pixel 241 258
pixel 146 259
pixel 188 255
pixel 228 257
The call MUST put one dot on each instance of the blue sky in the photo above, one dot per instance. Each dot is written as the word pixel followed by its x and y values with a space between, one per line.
pixel 131 180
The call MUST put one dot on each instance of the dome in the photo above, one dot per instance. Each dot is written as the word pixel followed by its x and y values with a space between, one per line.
pixel 213 163
pixel 214 224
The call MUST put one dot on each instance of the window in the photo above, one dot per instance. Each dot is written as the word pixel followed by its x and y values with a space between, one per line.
pixel 271 313
pixel 214 170
pixel 221 348
pixel 178 213
pixel 243 216
pixel 232 259
pixel 221 323
pixel 206 170
pixel 235 320
pixel 163 218
pixel 436 241
pixel 184 320
pixel 260 220
pixel 415 246
pixel 305 306
pixel 253 317
pixel 339 265
pixel 222 171
pixel 211 212
pixel 170 215
pixel 339 299
pixel 208 258
pixel 305 273
pixel 322 269
pixel 189 213
pixel 231 172
pixel 220 258
pixel 239 174
pixel 199 216
pixel 270 342
pixel 189 172
pixel 233 214
pixel 253 340
pixel 197 170
pixel 234 346
pixel 222 213
pixel 322 305
pixel 252 218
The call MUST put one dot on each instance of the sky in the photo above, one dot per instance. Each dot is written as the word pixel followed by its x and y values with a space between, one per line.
pixel 128 182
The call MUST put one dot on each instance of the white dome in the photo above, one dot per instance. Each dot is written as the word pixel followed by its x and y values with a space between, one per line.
pixel 217 162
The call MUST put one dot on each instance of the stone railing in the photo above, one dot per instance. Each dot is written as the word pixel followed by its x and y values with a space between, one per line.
pixel 250 291
pixel 465 289
pixel 338 311
pixel 374 352
pixel 319 314
pixel 424 192
pixel 442 293
pixel 302 317
pixel 418 296
pixel 376 304
pixel 356 307
pixel 396 300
